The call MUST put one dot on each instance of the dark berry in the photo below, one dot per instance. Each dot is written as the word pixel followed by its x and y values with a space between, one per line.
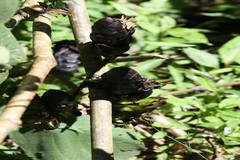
pixel 112 36
pixel 67 56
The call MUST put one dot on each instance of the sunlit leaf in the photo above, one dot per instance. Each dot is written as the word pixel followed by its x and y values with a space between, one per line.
pixel 230 51
pixel 7 8
pixel 5 55
pixel 191 35
pixel 9 42
pixel 128 9
pixel 230 103
pixel 159 134
pixel 206 83
pixel 72 143
pixel 202 57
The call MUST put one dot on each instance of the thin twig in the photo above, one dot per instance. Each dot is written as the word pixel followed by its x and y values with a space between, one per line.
pixel 214 147
pixel 199 88
pixel 44 61
pixel 145 57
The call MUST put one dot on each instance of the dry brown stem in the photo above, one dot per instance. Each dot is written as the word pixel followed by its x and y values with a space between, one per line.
pixel 29 10
pixel 145 57
pixel 44 61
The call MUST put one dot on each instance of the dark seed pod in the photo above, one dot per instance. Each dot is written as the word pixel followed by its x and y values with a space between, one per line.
pixel 112 35
pixel 125 84
pixel 59 102
pixel 67 56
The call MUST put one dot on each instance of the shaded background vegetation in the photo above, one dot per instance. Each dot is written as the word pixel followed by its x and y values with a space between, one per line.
pixel 198 41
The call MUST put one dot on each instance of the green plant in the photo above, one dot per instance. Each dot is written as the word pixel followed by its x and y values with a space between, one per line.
pixel 190 45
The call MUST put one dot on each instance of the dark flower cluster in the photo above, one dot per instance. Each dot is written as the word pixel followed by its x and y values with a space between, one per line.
pixel 113 36
pixel 67 56
pixel 125 84
pixel 50 109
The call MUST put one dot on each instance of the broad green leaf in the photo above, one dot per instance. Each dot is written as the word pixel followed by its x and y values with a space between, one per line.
pixel 167 44
pixel 146 66
pixel 167 22
pixel 228 114
pixel 208 124
pixel 162 156
pixel 159 134
pixel 230 51
pixel 5 55
pixel 231 141
pixel 221 70
pixel 72 143
pixel 191 35
pixel 202 57
pixel 177 74
pixel 213 119
pixel 206 83
pixel 230 102
pixel 128 9
pixel 7 8
pixel 8 41
pixel 145 23
pixel 178 124
pixel 160 125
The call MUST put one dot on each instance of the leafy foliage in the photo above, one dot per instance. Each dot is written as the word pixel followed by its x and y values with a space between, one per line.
pixel 199 41
pixel 10 50
pixel 72 143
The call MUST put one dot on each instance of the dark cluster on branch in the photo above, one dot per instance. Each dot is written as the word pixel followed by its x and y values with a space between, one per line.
pixel 67 56
pixel 124 84
pixel 49 110
pixel 113 36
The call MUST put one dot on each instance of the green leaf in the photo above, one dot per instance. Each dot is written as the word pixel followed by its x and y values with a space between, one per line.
pixel 167 22
pixel 9 42
pixel 231 141
pixel 3 76
pixel 159 134
pixel 202 57
pixel 214 119
pixel 167 44
pixel 7 8
pixel 207 83
pixel 72 143
pixel 162 156
pixel 189 34
pixel 128 9
pixel 177 75
pixel 148 65
pixel 230 51
pixel 5 55
pixel 230 102
pixel 178 124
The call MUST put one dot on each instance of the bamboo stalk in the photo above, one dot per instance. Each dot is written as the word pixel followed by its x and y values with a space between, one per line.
pixel 10 119
pixel 101 107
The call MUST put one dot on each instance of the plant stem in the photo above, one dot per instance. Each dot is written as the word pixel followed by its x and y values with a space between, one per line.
pixel 101 107
pixel 44 61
